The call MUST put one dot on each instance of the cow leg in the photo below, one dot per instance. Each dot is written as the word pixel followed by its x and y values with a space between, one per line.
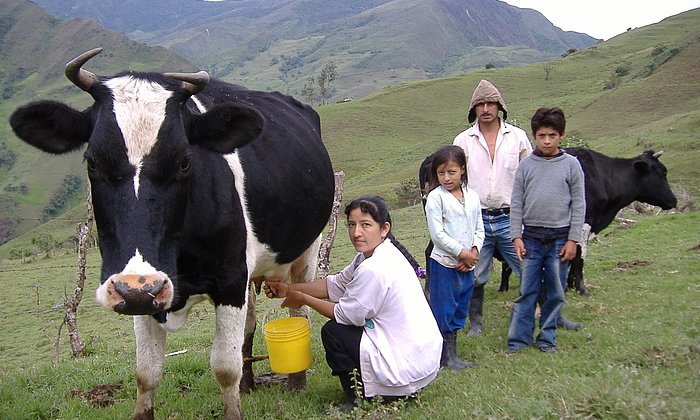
pixel 505 277
pixel 575 277
pixel 303 270
pixel 428 251
pixel 247 377
pixel 227 358
pixel 150 362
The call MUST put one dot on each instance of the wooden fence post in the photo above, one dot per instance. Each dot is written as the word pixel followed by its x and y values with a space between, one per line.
pixel 324 251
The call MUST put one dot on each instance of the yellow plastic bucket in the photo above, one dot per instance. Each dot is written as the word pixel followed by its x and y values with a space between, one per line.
pixel 288 343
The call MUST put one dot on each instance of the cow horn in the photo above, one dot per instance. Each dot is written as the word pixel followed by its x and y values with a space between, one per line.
pixel 191 82
pixel 76 74
pixel 658 154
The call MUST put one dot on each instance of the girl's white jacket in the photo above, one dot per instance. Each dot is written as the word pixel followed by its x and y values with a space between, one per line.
pixel 453 226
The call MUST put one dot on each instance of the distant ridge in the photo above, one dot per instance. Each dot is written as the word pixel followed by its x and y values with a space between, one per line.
pixel 278 44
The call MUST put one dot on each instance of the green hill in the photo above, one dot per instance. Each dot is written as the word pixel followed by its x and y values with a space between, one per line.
pixel 652 101
pixel 639 90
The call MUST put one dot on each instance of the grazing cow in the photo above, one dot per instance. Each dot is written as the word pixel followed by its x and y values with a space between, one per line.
pixel 611 184
pixel 197 186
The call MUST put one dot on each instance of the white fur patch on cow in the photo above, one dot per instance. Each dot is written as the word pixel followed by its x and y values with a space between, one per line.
pixel 139 107
pixel 226 358
pixel 176 320
pixel 137 265
pixel 257 253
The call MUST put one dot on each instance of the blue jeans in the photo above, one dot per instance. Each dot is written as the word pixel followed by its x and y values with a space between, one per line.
pixel 497 236
pixel 450 293
pixel 541 268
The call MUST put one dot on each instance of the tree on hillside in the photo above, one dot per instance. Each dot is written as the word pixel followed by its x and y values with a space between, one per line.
pixel 328 74
pixel 548 66
pixel 309 90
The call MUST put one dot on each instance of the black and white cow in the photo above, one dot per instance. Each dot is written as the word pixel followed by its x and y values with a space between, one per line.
pixel 197 186
pixel 611 184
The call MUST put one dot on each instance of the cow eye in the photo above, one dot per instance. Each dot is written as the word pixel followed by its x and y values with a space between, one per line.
pixel 90 164
pixel 185 164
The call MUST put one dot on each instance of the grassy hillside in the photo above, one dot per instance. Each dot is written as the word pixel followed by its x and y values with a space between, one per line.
pixel 379 141
pixel 635 358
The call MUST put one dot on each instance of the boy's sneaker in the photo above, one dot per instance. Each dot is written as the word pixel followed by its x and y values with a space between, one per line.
pixel 511 351
pixel 548 349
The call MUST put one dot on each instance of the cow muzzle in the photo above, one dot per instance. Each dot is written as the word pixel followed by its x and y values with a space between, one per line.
pixel 136 294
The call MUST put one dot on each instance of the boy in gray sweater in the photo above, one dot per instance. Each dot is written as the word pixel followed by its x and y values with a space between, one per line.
pixel 547 210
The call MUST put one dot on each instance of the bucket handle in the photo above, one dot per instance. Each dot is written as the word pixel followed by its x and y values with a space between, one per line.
pixel 276 305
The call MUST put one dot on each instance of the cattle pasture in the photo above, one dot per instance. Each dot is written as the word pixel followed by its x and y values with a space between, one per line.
pixel 639 354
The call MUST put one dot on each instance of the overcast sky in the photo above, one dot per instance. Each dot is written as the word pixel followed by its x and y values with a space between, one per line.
pixel 604 19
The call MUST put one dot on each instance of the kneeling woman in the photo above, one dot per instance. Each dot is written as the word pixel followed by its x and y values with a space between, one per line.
pixel 380 322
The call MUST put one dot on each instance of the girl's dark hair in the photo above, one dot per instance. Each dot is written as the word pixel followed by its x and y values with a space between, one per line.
pixel 376 207
pixel 443 155
pixel 548 117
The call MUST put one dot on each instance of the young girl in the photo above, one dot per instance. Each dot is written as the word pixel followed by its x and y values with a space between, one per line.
pixel 457 231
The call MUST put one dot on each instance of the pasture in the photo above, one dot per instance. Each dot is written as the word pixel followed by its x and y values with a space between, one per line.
pixel 638 356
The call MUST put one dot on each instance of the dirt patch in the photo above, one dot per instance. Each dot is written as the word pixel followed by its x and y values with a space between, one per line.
pixel 268 379
pixel 628 265
pixel 100 396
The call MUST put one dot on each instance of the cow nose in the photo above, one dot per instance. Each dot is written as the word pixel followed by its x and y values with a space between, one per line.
pixel 137 294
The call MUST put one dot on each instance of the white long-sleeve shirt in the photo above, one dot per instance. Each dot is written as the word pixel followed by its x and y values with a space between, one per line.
pixel 453 226
pixel 493 178
pixel 401 345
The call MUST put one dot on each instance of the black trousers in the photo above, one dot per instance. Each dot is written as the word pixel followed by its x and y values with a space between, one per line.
pixel 342 344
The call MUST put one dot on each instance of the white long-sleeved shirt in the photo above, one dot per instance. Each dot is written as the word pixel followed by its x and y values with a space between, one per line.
pixel 401 344
pixel 493 178
pixel 453 226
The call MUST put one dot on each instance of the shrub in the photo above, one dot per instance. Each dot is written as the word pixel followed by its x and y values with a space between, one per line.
pixel 407 193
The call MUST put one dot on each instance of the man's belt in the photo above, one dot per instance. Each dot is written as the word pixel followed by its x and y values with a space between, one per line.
pixel 495 212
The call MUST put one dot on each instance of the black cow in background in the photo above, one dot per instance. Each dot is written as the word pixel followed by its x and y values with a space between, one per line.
pixel 611 184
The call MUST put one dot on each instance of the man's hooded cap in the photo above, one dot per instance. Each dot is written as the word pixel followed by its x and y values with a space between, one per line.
pixel 486 92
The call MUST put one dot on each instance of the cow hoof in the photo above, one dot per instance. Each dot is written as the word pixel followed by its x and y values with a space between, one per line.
pixel 296 381
pixel 583 292
pixel 475 332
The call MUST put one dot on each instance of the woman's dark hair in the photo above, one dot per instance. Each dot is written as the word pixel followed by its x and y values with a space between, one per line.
pixel 376 207
pixel 443 155
pixel 548 117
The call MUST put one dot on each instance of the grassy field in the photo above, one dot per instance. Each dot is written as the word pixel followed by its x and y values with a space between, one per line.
pixel 638 356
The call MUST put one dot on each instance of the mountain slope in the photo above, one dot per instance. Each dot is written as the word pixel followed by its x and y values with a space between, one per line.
pixel 278 44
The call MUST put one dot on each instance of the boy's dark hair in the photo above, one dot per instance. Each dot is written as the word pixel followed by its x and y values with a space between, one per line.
pixel 548 117
pixel 443 155
pixel 376 207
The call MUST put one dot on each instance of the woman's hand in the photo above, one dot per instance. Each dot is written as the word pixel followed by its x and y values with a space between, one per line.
pixel 294 299
pixel 275 288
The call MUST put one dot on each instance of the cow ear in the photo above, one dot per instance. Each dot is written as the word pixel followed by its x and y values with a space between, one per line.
pixel 51 126
pixel 223 129
pixel 641 166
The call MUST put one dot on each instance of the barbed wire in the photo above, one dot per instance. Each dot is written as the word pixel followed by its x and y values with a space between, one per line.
pixel 55 267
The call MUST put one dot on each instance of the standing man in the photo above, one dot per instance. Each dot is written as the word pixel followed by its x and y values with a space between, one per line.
pixel 493 149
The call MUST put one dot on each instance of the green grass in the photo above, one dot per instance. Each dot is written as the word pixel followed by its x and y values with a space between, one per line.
pixel 638 355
